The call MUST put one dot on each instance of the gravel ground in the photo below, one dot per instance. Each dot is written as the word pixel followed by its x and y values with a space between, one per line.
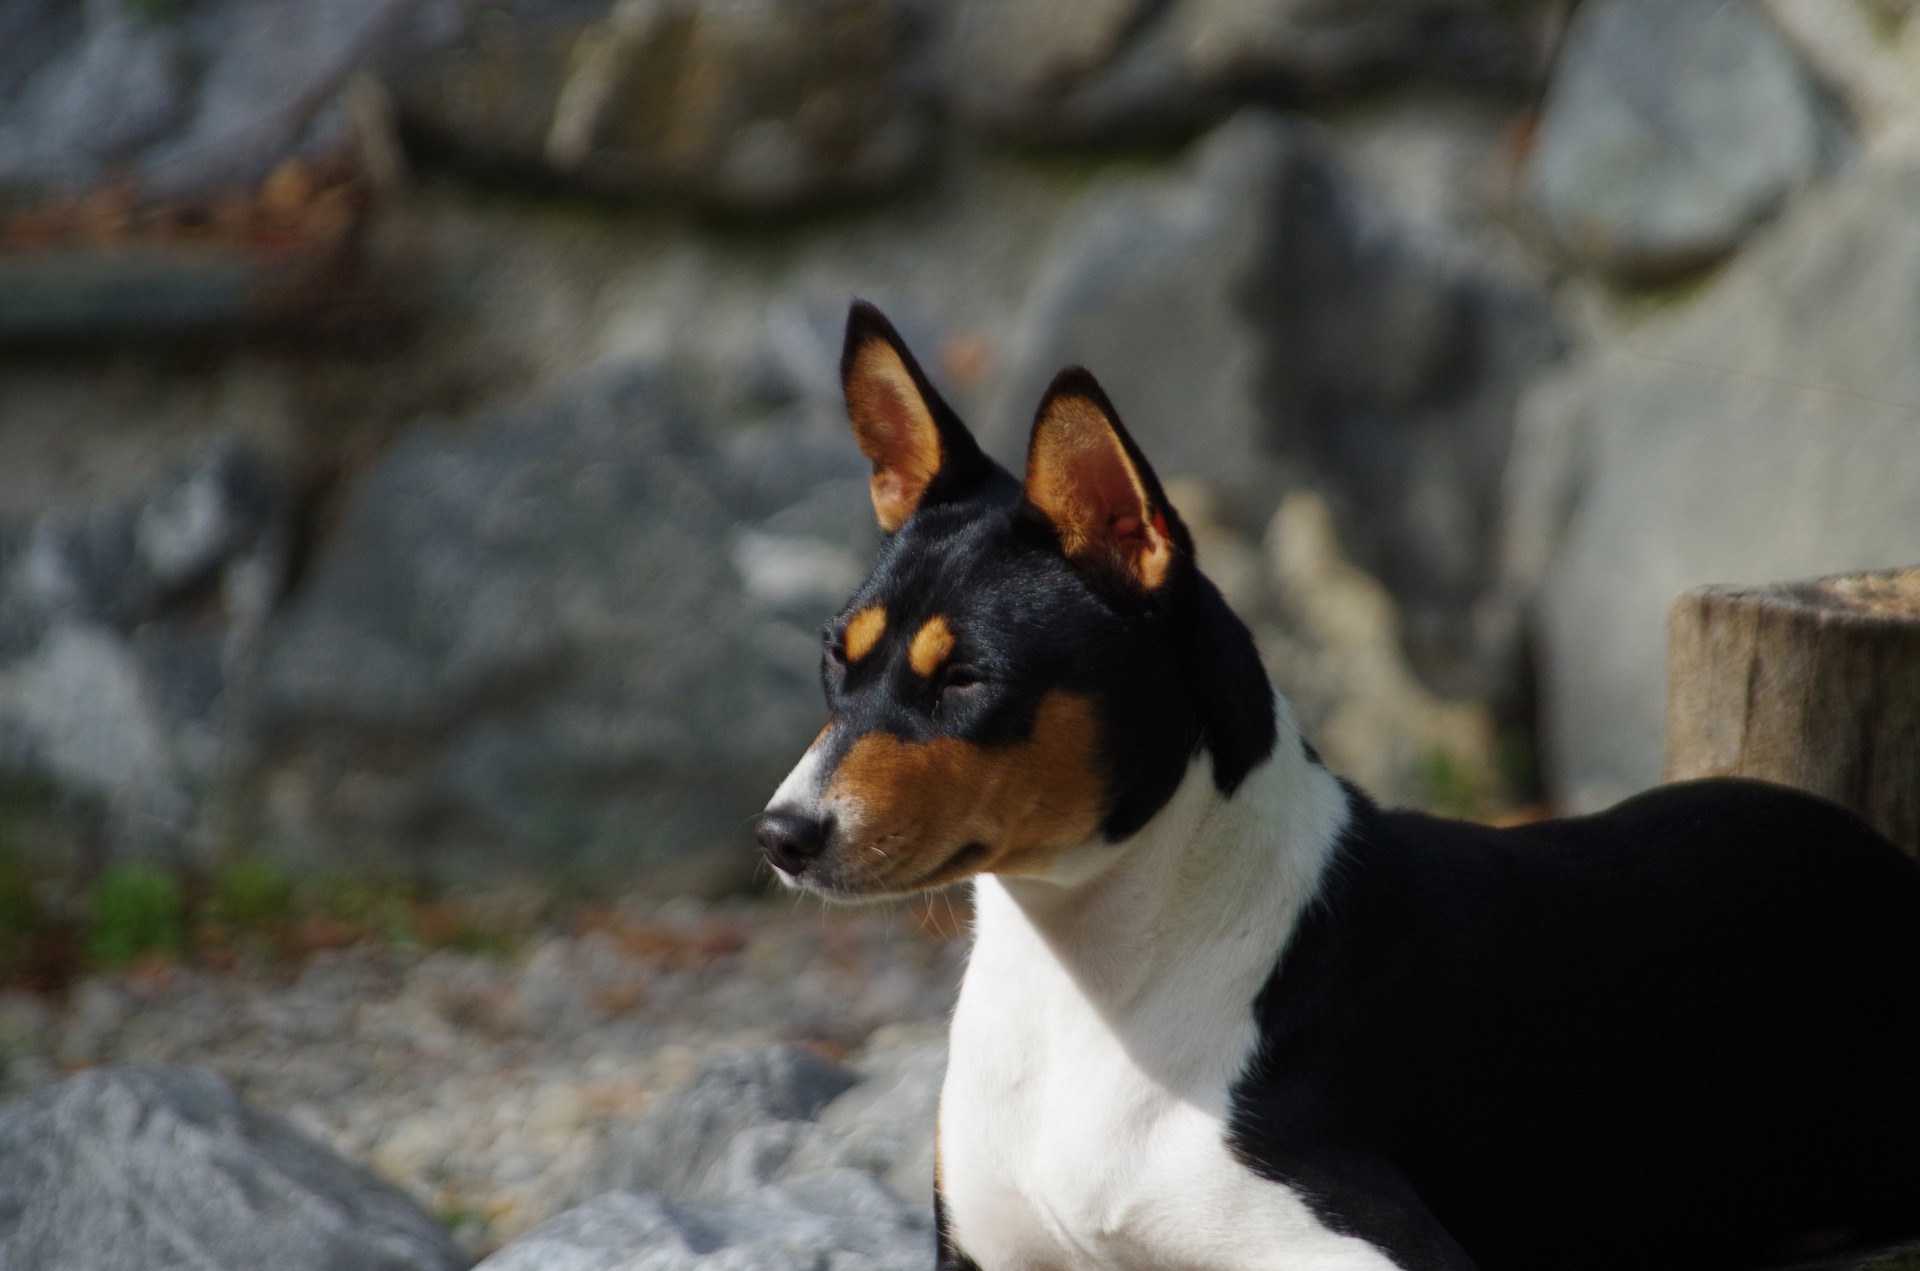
pixel 481 1083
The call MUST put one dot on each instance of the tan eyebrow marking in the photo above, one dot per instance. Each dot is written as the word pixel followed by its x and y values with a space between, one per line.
pixel 863 631
pixel 931 645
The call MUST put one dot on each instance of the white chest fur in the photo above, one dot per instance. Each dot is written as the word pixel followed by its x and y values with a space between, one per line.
pixel 1104 1018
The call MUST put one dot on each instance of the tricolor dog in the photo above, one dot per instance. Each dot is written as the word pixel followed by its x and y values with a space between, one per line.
pixel 1224 1012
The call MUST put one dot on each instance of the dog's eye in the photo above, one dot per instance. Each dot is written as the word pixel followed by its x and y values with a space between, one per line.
pixel 837 650
pixel 961 677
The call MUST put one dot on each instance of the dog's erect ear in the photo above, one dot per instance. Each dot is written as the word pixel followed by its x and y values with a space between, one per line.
pixel 1089 479
pixel 920 451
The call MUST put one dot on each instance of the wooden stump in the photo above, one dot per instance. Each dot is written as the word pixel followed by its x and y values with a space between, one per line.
pixel 1814 685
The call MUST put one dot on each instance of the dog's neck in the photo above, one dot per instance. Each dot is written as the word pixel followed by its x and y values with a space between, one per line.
pixel 1106 1018
pixel 1181 921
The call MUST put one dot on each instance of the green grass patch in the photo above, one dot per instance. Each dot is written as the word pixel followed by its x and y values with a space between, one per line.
pixel 249 911
pixel 250 894
pixel 20 917
pixel 1449 788
pixel 1516 757
pixel 133 910
pixel 377 908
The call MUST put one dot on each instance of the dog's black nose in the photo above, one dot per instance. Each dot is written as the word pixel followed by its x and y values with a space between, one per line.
pixel 791 839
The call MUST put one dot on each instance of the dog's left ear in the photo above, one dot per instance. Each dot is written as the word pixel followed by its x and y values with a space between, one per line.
pixel 920 451
pixel 1090 480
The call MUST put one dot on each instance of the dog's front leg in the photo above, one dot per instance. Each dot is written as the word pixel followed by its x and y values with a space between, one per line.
pixel 947 1255
pixel 1359 1194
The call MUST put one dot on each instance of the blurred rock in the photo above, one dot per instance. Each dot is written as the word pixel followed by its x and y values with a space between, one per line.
pixel 1028 68
pixel 1261 321
pixel 121 564
pixel 526 646
pixel 158 1168
pixel 839 1221
pixel 883 1126
pixel 1868 54
pixel 125 631
pixel 1336 654
pixel 1671 128
pixel 757 107
pixel 1304 49
pixel 776 1157
pixel 1764 429
pixel 68 129
pixel 731 1128
pixel 749 1118
pixel 1135 71
pixel 1144 288
pixel 164 293
pixel 178 103
pixel 173 170
pixel 1331 638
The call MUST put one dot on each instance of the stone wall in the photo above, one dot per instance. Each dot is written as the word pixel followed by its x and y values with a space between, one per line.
pixel 421 446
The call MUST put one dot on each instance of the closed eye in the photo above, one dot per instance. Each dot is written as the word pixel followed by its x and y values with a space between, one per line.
pixel 960 676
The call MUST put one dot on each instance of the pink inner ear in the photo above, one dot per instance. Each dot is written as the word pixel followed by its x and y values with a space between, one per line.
pixel 1079 475
pixel 1109 487
pixel 895 431
pixel 901 443
pixel 895 418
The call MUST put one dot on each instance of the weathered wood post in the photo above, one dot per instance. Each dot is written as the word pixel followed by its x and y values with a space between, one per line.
pixel 1811 684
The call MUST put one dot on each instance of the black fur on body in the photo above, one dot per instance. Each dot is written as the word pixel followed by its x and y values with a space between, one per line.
pixel 1681 1033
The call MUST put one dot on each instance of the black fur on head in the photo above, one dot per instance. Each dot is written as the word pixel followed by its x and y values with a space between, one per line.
pixel 1039 594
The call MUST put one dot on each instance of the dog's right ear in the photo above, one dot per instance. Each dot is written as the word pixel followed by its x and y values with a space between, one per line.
pixel 920 451
pixel 1089 479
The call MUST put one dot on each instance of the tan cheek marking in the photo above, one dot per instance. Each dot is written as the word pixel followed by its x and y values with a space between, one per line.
pixel 931 645
pixel 863 631
pixel 922 803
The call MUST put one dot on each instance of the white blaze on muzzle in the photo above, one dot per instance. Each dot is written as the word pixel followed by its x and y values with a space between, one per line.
pixel 804 789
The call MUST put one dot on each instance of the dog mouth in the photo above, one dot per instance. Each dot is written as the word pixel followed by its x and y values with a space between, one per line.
pixel 964 861
pixel 838 871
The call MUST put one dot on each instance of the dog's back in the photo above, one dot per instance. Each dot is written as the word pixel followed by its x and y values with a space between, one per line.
pixel 1682 1033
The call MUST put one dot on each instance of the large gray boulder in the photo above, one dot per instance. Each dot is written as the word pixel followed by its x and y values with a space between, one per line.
pixel 1260 320
pixel 179 102
pixel 755 107
pixel 1763 431
pixel 764 1159
pixel 884 1126
pixel 753 1117
pixel 1672 127
pixel 127 630
pixel 732 1127
pixel 186 169
pixel 1133 71
pixel 164 1169
pixel 838 1221
pixel 555 639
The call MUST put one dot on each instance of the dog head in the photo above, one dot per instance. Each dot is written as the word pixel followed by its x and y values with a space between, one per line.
pixel 1032 665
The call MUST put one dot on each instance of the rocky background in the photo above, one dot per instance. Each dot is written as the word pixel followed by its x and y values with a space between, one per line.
pixel 422 474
